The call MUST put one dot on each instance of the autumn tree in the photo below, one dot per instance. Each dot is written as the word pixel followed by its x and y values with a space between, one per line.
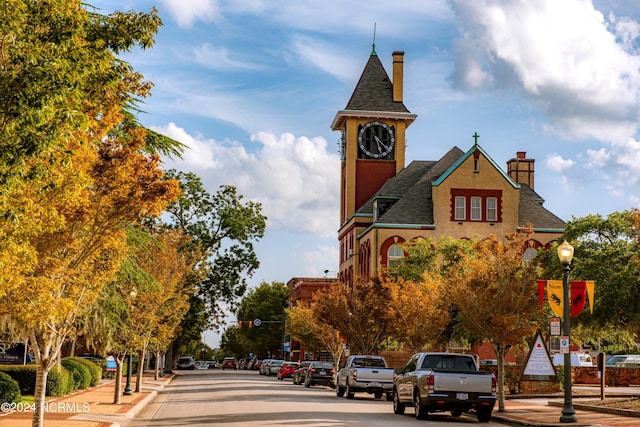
pixel 495 290
pixel 304 327
pixel 360 312
pixel 420 310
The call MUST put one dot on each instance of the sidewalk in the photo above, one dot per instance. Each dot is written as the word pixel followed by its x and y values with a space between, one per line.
pixel 92 407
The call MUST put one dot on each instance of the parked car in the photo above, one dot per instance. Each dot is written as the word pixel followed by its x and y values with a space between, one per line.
pixel 229 363
pixel 274 366
pixel 624 361
pixel 264 366
pixel 577 359
pixel 320 373
pixel 365 373
pixel 201 364
pixel 287 369
pixel 186 362
pixel 301 372
pixel 437 382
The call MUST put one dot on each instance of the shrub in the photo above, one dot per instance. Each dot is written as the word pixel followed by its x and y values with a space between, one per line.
pixel 94 368
pixel 25 375
pixel 9 389
pixel 80 373
pixel 58 382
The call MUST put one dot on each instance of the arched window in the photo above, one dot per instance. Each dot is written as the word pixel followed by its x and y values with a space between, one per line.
pixel 394 255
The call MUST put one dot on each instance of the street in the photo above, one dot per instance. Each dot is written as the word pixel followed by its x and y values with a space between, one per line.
pixel 245 398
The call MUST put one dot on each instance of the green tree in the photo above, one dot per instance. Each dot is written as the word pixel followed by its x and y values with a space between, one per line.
pixel 267 302
pixel 60 74
pixel 225 229
pixel 607 252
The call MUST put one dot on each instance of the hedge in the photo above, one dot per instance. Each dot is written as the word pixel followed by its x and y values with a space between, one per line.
pixel 94 368
pixel 9 389
pixel 25 376
pixel 80 374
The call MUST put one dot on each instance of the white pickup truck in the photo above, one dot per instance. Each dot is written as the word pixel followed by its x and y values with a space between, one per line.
pixel 365 373
pixel 437 382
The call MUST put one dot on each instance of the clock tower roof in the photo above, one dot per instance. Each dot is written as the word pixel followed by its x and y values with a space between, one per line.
pixel 375 95
pixel 374 91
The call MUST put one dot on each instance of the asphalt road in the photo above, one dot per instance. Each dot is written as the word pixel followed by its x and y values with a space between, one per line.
pixel 245 398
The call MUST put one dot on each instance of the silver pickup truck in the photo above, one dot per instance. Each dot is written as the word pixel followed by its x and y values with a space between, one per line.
pixel 437 382
pixel 365 373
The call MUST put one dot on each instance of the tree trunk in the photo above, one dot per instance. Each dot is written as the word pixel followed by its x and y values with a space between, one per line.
pixel 39 395
pixel 117 394
pixel 140 370
pixel 500 353
pixel 156 369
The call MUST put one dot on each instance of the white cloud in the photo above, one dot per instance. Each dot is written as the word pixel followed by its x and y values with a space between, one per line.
pixel 556 163
pixel 294 178
pixel 561 56
pixel 220 59
pixel 186 12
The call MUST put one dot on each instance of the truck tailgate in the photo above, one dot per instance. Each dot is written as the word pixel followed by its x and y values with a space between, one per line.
pixel 470 382
pixel 384 375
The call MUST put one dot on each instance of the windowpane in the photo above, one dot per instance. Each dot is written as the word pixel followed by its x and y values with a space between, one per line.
pixel 492 209
pixel 394 254
pixel 460 208
pixel 476 208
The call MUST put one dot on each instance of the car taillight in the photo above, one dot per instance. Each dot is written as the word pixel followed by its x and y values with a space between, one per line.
pixel 494 384
pixel 354 373
pixel 430 382
pixel 312 370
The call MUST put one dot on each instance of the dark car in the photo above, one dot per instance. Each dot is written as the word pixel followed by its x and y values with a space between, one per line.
pixel 301 372
pixel 186 362
pixel 320 373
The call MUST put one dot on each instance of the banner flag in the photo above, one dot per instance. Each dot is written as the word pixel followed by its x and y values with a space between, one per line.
pixel 555 296
pixel 578 296
pixel 591 293
pixel 541 285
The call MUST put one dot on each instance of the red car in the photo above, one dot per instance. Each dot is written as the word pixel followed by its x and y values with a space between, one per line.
pixel 229 363
pixel 287 369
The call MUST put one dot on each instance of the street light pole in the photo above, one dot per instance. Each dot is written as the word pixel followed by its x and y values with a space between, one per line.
pixel 565 254
pixel 128 391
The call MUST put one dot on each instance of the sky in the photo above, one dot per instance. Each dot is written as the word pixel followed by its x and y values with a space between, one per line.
pixel 251 87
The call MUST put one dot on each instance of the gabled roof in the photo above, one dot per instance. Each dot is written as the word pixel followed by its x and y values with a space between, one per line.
pixel 412 190
pixel 374 91
pixel 466 155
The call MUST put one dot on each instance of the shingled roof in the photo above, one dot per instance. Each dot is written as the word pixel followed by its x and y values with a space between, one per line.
pixel 374 91
pixel 411 194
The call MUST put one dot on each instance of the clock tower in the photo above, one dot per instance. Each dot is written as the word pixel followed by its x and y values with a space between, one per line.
pixel 373 127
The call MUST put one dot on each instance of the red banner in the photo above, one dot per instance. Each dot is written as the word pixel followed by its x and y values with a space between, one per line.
pixel 578 296
pixel 541 286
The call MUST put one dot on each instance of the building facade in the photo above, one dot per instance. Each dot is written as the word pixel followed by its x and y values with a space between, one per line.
pixel 383 203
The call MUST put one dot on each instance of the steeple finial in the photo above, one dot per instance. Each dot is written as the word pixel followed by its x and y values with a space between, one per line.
pixel 373 47
pixel 475 138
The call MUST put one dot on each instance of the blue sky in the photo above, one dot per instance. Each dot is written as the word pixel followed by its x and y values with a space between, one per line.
pixel 252 87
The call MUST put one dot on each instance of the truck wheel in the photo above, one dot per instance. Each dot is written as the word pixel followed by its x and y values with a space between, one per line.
pixel 339 391
pixel 350 393
pixel 484 416
pixel 456 413
pixel 398 408
pixel 378 396
pixel 421 411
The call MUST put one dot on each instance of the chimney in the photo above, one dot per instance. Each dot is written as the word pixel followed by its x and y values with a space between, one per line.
pixel 398 69
pixel 520 169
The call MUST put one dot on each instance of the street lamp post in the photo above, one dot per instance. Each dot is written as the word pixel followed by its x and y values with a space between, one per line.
pixel 565 254
pixel 128 391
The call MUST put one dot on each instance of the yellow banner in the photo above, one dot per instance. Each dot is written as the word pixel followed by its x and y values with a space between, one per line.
pixel 591 293
pixel 555 296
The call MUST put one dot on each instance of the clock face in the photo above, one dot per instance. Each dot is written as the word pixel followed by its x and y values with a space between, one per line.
pixel 376 140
